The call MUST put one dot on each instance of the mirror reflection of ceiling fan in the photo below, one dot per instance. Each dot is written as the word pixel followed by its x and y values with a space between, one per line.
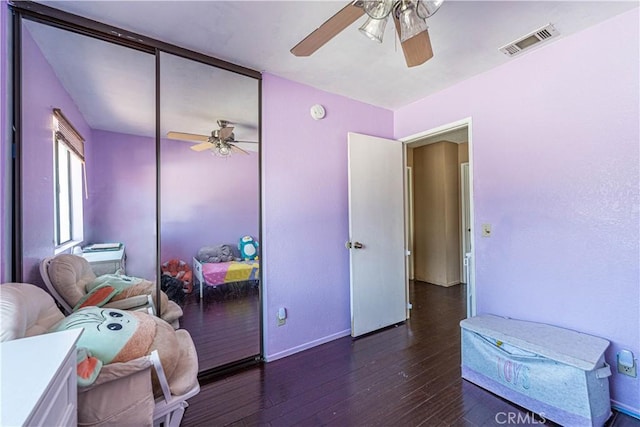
pixel 409 17
pixel 221 142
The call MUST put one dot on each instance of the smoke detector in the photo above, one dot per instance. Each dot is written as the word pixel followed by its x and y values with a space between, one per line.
pixel 528 41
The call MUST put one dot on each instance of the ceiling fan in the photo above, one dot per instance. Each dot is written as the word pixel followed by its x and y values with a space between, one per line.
pixel 409 17
pixel 221 142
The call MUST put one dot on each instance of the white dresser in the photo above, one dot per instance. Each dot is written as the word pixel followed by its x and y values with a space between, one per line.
pixel 39 385
pixel 106 262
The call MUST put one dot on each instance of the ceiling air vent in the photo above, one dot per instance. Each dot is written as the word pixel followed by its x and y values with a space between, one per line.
pixel 533 38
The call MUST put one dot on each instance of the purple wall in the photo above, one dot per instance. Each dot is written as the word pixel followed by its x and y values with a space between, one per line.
pixel 41 92
pixel 122 197
pixel 206 200
pixel 305 211
pixel 555 152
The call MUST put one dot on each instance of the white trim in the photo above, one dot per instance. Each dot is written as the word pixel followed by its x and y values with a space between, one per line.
pixel 625 409
pixel 410 223
pixel 66 246
pixel 464 184
pixel 438 130
pixel 306 346
pixel 471 308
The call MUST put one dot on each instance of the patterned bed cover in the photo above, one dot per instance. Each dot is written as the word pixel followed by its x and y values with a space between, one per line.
pixel 214 274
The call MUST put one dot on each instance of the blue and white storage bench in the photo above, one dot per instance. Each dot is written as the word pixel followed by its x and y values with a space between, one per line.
pixel 557 373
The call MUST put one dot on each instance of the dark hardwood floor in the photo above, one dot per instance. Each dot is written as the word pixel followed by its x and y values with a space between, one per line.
pixel 401 376
pixel 225 325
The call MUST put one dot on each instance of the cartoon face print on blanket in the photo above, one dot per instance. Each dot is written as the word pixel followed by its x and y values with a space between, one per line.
pixel 118 336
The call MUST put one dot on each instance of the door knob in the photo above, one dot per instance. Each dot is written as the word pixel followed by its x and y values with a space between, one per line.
pixel 354 245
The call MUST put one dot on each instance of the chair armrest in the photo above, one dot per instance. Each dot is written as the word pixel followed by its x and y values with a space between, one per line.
pixel 115 371
pixel 162 378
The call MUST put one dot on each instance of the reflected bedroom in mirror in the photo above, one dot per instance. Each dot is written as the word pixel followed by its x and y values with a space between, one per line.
pixel 92 170
pixel 209 166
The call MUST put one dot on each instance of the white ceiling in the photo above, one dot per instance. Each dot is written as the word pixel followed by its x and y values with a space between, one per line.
pixel 465 35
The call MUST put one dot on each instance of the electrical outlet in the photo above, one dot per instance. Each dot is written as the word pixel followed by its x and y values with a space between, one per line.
pixel 627 364
pixel 625 370
pixel 281 316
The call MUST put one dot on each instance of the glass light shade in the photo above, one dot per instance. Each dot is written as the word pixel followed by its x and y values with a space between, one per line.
pixel 378 9
pixel 222 150
pixel 426 8
pixel 410 23
pixel 374 28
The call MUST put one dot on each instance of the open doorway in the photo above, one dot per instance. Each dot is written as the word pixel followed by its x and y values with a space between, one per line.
pixel 440 208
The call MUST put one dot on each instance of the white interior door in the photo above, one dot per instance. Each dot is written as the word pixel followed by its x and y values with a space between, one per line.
pixel 376 233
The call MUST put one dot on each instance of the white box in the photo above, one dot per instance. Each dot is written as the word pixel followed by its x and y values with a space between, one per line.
pixel 557 373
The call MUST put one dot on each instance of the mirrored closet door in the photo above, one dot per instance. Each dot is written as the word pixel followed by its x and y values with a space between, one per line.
pixel 210 206
pixel 88 171
pixel 148 170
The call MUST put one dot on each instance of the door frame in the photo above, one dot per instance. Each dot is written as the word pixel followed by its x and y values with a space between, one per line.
pixel 464 222
pixel 466 122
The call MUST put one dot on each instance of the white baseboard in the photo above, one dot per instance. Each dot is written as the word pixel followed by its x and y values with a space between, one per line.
pixel 306 346
pixel 625 409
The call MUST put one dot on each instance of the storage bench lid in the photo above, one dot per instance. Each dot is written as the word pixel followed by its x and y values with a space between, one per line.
pixel 563 345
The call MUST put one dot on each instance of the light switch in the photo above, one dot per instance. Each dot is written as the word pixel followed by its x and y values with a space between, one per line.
pixel 486 230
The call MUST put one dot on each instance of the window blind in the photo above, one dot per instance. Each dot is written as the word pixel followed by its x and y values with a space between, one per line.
pixel 70 137
pixel 68 134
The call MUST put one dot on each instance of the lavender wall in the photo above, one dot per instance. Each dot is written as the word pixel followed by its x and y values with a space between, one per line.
pixel 41 92
pixel 122 197
pixel 555 152
pixel 305 211
pixel 206 200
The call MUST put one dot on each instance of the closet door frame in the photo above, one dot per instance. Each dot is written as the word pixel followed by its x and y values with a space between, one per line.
pixel 84 26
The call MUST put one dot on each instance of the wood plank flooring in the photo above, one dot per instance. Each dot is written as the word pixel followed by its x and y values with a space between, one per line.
pixel 408 375
pixel 225 325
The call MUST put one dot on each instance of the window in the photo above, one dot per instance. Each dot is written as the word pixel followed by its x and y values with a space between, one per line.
pixel 68 171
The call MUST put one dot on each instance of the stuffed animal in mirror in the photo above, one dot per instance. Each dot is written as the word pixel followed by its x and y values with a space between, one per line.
pixel 179 270
pixel 220 253
pixel 248 248
pixel 117 336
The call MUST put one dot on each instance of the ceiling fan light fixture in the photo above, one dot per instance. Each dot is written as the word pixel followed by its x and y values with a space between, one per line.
pixel 378 9
pixel 374 28
pixel 410 23
pixel 426 8
pixel 222 150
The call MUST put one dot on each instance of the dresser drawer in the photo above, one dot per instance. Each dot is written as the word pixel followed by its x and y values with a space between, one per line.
pixel 58 405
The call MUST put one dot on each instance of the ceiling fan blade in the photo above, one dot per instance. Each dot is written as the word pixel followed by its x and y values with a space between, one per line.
pixel 247 145
pixel 187 136
pixel 202 146
pixel 238 149
pixel 225 132
pixel 417 50
pixel 325 32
